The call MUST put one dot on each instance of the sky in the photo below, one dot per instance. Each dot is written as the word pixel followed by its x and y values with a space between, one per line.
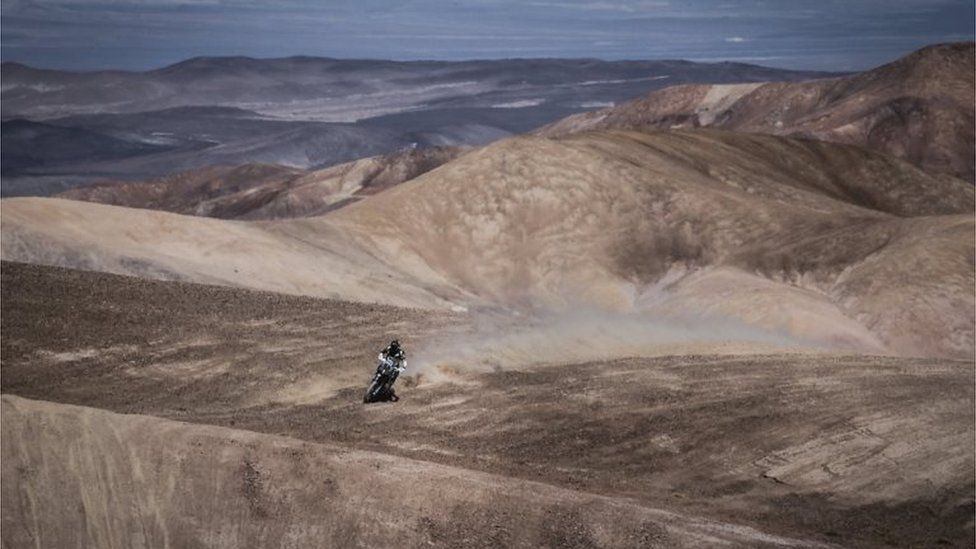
pixel 801 34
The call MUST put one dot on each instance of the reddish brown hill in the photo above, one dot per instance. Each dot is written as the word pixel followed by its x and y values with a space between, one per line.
pixel 266 191
pixel 919 108
pixel 205 191
pixel 324 190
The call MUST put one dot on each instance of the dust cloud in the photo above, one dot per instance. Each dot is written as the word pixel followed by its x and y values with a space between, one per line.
pixel 514 341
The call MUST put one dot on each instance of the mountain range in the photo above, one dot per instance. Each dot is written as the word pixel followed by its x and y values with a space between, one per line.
pixel 61 129
pixel 919 108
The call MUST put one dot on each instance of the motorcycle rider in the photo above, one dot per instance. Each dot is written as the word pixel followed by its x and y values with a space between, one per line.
pixel 395 353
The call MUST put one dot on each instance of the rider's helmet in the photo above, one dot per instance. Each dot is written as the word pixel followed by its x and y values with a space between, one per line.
pixel 394 346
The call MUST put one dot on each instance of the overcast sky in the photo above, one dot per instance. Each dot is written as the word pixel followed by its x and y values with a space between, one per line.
pixel 807 34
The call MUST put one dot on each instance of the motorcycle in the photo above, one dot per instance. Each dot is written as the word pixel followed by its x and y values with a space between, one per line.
pixel 381 388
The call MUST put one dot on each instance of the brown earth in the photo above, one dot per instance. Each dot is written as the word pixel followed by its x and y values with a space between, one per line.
pixel 698 449
pixel 214 191
pixel 137 481
pixel 616 338
pixel 266 191
pixel 833 244
pixel 919 108
pixel 837 238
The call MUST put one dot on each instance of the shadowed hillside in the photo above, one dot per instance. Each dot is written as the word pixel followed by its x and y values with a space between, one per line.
pixel 302 112
pixel 256 191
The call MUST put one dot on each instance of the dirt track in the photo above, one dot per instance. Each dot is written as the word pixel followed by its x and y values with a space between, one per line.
pixel 859 451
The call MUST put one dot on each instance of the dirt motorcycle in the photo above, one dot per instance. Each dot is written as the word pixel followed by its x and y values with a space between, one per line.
pixel 381 388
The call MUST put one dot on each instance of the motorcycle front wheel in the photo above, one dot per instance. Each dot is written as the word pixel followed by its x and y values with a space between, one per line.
pixel 372 391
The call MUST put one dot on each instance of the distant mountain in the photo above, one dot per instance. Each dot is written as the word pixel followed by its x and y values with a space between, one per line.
pixel 26 145
pixel 313 112
pixel 267 191
pixel 341 90
pixel 161 143
pixel 920 108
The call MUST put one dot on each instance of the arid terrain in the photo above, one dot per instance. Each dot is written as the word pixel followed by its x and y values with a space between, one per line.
pixel 258 436
pixel 267 191
pixel 61 129
pixel 857 250
pixel 620 334
pixel 919 108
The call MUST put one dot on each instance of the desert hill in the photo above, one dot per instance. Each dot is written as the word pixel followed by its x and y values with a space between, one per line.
pixel 831 238
pixel 609 217
pixel 300 257
pixel 262 191
pixel 194 192
pixel 920 108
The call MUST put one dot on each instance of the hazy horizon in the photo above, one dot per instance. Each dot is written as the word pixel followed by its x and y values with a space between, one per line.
pixel 744 61
pixel 143 35
pixel 420 60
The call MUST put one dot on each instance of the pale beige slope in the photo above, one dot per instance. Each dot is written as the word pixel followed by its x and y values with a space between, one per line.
pixel 291 257
pixel 620 219
pixel 74 475
pixel 681 223
pixel 913 284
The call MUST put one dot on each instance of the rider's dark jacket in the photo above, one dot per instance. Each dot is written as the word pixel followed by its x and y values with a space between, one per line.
pixel 397 355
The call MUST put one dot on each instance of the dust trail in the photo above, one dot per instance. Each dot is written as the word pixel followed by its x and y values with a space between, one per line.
pixel 513 342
